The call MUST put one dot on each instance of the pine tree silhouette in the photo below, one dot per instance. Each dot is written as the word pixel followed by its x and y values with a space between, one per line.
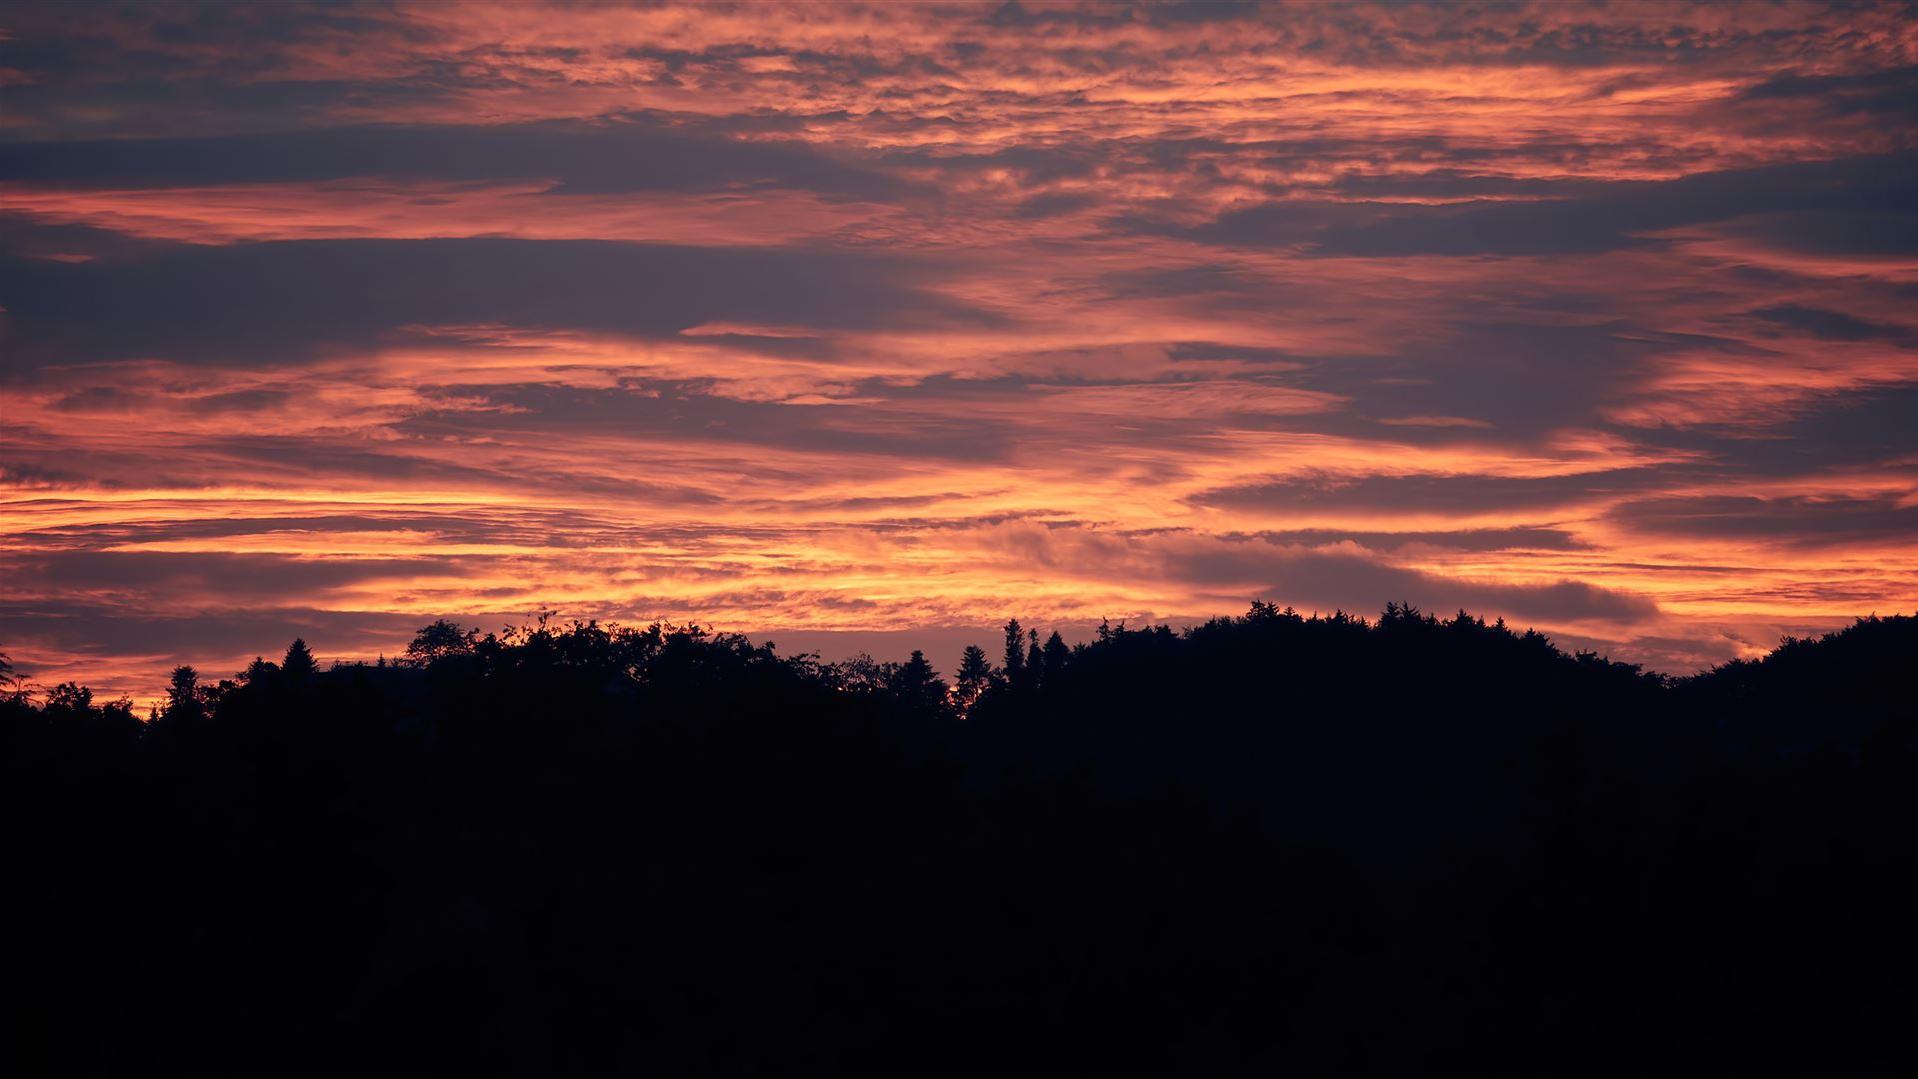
pixel 298 664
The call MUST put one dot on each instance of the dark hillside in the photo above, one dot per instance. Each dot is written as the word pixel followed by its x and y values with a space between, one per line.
pixel 1271 844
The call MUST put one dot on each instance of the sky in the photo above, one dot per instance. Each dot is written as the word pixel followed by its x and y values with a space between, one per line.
pixel 853 326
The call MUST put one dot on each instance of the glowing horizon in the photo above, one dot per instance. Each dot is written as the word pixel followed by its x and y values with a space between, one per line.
pixel 855 320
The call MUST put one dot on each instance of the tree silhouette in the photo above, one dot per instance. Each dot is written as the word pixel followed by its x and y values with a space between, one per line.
pixel 261 671
pixel 1015 657
pixel 69 697
pixel 974 676
pixel 439 640
pixel 13 689
pixel 1053 658
pixel 1267 844
pixel 298 664
pixel 183 696
pixel 918 687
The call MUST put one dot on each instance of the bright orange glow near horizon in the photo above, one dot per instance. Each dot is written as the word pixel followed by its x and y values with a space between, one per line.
pixel 860 325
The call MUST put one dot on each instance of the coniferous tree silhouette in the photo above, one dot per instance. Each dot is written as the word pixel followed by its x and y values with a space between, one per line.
pixel 1034 670
pixel 261 671
pixel 298 664
pixel 918 687
pixel 975 675
pixel 184 699
pixel 1014 663
pixel 1053 658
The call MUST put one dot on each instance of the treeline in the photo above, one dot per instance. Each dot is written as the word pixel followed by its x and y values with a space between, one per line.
pixel 1267 844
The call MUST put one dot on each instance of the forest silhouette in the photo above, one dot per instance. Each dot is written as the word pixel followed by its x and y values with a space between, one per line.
pixel 1269 844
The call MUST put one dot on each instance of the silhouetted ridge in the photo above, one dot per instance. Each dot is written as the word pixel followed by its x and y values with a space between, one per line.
pixel 1268 844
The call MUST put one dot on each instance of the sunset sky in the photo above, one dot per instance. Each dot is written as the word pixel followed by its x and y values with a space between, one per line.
pixel 854 326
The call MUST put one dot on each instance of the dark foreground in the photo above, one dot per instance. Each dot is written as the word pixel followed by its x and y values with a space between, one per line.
pixel 1271 846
